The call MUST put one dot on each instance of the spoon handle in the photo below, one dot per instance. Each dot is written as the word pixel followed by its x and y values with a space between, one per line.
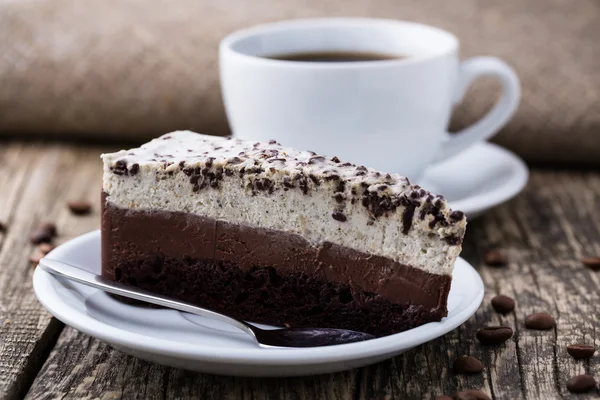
pixel 84 277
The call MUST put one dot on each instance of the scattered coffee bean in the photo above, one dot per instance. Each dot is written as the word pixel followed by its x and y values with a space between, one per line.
pixel 492 335
pixel 592 263
pixel 503 304
pixel 581 383
pixel 442 398
pixel 45 248
pixel 581 350
pixel 2 227
pixel 80 207
pixel 50 227
pixel 495 258
pixel 44 233
pixel 467 365
pixel 470 395
pixel 541 321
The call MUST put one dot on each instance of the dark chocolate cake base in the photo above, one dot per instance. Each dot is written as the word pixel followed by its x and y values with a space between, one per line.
pixel 260 294
pixel 266 276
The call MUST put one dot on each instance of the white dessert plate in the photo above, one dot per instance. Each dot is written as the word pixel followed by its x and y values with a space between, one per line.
pixel 195 343
pixel 483 176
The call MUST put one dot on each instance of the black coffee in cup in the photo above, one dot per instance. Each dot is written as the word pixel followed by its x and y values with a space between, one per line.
pixel 335 56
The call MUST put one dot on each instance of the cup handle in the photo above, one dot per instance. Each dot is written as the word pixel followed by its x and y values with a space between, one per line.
pixel 497 117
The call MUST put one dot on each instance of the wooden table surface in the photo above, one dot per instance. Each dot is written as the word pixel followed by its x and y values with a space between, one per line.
pixel 545 231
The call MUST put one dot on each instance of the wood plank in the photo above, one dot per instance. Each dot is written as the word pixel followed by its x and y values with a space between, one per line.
pixel 82 367
pixel 544 231
pixel 35 181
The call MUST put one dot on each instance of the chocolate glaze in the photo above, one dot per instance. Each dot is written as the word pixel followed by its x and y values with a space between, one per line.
pixel 131 237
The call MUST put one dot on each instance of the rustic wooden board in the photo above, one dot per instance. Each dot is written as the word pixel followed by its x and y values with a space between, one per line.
pixel 545 231
pixel 35 182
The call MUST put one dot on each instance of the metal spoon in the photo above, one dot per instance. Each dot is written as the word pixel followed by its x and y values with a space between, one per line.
pixel 288 337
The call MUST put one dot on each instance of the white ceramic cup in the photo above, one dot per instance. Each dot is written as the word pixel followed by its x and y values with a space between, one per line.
pixel 392 114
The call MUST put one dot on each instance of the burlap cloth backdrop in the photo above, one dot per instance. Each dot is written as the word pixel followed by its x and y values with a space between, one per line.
pixel 133 69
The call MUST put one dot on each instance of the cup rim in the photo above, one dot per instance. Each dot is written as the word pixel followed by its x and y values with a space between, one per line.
pixel 226 46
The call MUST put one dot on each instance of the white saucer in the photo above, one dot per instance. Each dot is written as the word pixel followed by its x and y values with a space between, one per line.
pixel 195 343
pixel 483 176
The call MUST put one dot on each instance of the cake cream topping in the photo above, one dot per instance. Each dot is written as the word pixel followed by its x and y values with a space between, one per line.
pixel 184 148
pixel 208 165
pixel 196 154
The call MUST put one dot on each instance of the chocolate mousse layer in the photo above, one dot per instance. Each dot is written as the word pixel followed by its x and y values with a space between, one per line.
pixel 265 275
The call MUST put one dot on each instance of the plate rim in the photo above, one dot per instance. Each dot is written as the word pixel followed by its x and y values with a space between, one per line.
pixel 393 344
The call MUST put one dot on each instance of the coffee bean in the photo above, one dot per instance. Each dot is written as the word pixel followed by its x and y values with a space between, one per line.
pixel 80 207
pixel 541 321
pixel 592 263
pixel 495 258
pixel 50 227
pixel 467 365
pixel 503 304
pixel 581 350
pixel 44 233
pixel 442 398
pixel 492 335
pixel 470 395
pixel 2 227
pixel 581 383
pixel 45 248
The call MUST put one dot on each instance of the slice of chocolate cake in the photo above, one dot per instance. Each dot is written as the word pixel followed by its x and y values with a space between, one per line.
pixel 276 235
